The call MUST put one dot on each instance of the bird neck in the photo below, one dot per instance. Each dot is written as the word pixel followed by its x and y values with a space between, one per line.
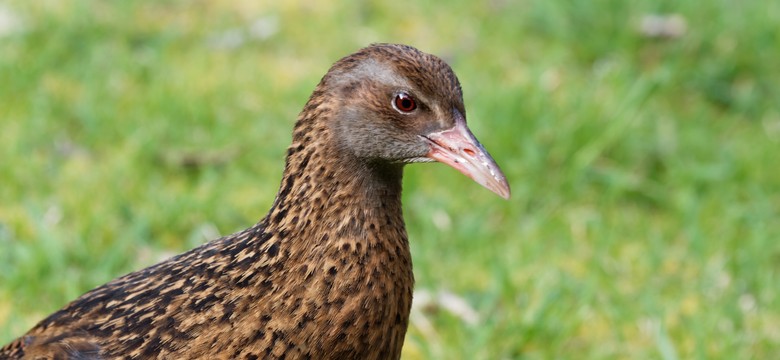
pixel 327 189
pixel 337 229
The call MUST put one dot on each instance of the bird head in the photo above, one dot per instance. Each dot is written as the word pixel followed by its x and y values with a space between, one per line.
pixel 396 104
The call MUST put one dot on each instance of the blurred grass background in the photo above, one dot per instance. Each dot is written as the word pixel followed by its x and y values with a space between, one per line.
pixel 643 162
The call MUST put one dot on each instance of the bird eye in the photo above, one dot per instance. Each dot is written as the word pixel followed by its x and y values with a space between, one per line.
pixel 404 103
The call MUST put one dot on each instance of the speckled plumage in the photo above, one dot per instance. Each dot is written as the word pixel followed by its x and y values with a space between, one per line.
pixel 327 274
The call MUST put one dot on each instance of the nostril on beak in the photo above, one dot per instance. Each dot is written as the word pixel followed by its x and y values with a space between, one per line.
pixel 469 152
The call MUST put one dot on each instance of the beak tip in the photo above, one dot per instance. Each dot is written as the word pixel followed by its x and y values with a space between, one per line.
pixel 502 190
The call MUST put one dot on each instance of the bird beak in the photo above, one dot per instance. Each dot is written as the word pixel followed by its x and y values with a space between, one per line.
pixel 457 147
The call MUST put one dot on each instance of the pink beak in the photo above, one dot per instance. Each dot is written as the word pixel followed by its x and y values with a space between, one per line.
pixel 457 147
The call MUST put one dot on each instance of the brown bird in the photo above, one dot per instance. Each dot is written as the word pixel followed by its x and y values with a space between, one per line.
pixel 327 273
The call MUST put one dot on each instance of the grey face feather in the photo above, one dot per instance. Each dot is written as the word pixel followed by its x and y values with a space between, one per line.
pixel 373 70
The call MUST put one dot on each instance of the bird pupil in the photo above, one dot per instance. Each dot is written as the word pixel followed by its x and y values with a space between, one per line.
pixel 405 103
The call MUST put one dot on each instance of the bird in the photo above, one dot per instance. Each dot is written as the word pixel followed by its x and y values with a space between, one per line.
pixel 327 273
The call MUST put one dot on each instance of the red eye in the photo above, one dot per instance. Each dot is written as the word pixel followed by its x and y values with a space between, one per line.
pixel 405 103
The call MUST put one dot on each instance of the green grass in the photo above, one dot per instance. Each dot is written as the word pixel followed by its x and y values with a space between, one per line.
pixel 645 177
